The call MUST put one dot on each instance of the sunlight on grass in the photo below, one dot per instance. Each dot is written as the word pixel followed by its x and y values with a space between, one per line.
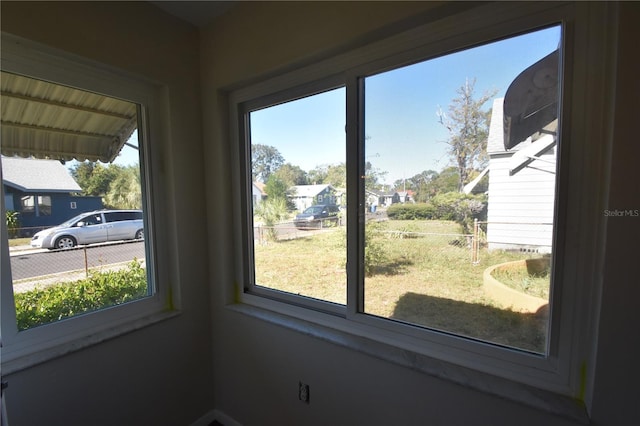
pixel 425 279
pixel 311 266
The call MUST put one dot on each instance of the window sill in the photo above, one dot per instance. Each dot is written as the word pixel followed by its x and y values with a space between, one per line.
pixel 22 360
pixel 372 342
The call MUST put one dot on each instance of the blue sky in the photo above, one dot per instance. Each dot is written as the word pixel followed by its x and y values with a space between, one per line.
pixel 401 122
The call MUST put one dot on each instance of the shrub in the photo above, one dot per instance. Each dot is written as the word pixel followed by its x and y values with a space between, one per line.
pixel 13 223
pixel 461 208
pixel 455 206
pixel 99 290
pixel 411 211
pixel 374 253
pixel 271 211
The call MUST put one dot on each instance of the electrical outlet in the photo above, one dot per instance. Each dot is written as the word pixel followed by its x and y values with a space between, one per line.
pixel 303 392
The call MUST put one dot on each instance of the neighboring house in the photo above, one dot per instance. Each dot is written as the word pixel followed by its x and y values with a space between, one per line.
pixel 521 189
pixel 405 196
pixel 42 192
pixel 258 193
pixel 388 198
pixel 304 196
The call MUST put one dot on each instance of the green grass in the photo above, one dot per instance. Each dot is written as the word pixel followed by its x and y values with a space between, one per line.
pixel 427 280
pixel 520 279
pixel 13 242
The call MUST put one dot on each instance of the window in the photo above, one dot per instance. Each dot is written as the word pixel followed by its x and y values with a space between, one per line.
pixel 90 117
pixel 436 233
pixel 123 215
pixel 44 205
pixel 298 153
pixel 27 204
pixel 469 255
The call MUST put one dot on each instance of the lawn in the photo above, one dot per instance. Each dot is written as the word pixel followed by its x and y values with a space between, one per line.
pixel 422 274
pixel 13 242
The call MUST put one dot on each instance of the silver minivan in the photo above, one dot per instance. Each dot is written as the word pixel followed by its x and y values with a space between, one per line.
pixel 92 227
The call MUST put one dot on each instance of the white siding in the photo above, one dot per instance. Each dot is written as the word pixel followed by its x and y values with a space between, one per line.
pixel 520 207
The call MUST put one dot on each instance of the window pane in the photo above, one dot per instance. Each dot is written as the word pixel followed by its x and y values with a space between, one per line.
pixel 65 259
pixel 299 196
pixel 44 205
pixel 460 157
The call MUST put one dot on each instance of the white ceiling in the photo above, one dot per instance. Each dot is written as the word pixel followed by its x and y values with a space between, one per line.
pixel 198 13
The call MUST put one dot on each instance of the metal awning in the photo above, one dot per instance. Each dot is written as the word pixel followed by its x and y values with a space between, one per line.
pixel 47 120
pixel 531 101
pixel 525 156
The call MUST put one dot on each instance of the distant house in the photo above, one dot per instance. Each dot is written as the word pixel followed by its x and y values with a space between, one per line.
pixel 405 196
pixel 42 192
pixel 521 188
pixel 258 193
pixel 304 196
pixel 372 197
pixel 388 198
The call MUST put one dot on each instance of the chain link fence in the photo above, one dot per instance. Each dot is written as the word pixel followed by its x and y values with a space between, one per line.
pixel 40 268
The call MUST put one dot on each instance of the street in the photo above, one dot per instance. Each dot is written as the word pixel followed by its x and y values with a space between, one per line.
pixel 37 263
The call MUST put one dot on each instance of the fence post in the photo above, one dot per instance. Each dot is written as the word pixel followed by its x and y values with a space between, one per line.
pixel 475 243
pixel 86 263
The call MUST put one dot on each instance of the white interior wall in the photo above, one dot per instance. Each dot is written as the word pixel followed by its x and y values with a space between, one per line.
pixel 160 374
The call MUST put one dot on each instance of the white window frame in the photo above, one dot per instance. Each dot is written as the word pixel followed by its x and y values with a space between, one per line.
pixel 553 381
pixel 22 349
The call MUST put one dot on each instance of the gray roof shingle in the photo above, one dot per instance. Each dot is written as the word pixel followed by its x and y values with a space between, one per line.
pixel 31 175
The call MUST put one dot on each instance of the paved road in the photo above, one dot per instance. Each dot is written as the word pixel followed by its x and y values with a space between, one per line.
pixel 38 263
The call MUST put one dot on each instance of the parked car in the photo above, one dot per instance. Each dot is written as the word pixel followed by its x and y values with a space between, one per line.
pixel 92 227
pixel 317 216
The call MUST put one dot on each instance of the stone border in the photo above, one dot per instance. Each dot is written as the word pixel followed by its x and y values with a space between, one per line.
pixel 510 297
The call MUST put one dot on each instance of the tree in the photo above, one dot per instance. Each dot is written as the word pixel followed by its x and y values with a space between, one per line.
pixel 291 175
pixel 276 187
pixel 337 175
pixel 445 181
pixel 125 191
pixel 468 126
pixel 317 175
pixel 265 160
pixel 94 178
pixel 119 186
pixel 373 177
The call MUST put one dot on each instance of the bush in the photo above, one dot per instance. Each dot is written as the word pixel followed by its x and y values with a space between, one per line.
pixel 459 207
pixel 411 211
pixel 374 253
pixel 455 206
pixel 100 290
pixel 13 223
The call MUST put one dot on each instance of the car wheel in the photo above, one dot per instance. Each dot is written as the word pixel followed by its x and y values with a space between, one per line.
pixel 139 234
pixel 65 242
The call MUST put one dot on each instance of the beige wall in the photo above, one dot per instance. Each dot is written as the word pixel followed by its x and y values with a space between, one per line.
pixel 164 374
pixel 259 364
pixel 161 374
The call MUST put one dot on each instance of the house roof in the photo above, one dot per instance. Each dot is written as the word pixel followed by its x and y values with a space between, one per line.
pixel 308 190
pixel 31 175
pixel 495 142
pixel 47 120
pixel 260 186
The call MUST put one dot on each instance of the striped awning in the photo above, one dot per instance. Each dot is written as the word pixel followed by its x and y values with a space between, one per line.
pixel 47 120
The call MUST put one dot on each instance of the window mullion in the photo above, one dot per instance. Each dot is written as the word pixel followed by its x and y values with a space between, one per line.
pixel 355 188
